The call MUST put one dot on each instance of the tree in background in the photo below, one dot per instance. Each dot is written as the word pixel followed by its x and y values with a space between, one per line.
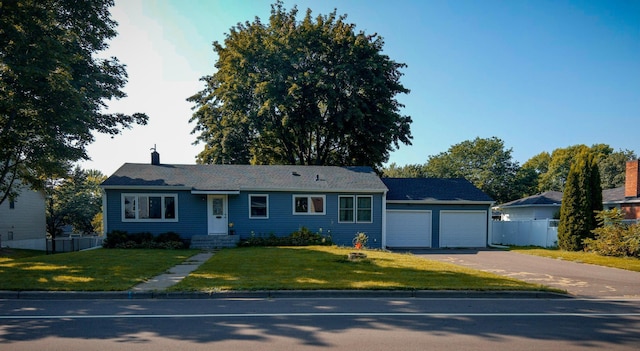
pixel 76 201
pixel 484 162
pixel 300 92
pixel 54 87
pixel 582 198
pixel 558 168
pixel 407 171
pixel 481 159
pixel 535 168
pixel 553 169
pixel 613 168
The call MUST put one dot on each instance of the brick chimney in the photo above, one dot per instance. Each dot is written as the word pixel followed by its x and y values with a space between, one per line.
pixel 155 157
pixel 631 185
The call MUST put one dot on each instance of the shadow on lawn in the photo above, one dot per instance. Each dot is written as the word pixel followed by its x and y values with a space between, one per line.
pixel 318 268
pixel 96 270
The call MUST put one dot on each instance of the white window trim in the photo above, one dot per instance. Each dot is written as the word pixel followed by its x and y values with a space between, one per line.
pixel 162 201
pixel 258 217
pixel 355 208
pixel 309 197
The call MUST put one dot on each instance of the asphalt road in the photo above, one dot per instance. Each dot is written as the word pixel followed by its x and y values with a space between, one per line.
pixel 311 324
pixel 578 279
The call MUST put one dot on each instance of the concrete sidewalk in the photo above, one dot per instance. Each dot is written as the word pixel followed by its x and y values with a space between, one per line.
pixel 174 275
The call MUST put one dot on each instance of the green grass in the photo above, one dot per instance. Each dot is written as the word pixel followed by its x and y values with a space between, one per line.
pixel 7 254
pixel 628 263
pixel 94 270
pixel 327 268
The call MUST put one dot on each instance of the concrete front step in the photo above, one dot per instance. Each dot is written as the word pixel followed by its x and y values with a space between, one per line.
pixel 210 242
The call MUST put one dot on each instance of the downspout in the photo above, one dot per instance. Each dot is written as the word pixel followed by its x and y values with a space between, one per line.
pixel 384 220
pixel 105 230
pixel 490 225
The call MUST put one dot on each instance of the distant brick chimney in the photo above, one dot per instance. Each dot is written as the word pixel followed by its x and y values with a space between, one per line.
pixel 631 185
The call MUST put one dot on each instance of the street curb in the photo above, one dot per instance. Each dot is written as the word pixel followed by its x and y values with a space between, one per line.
pixel 282 294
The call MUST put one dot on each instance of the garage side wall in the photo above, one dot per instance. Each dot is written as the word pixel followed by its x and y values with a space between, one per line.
pixel 435 211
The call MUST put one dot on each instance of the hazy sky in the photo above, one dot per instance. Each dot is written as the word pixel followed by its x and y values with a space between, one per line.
pixel 537 74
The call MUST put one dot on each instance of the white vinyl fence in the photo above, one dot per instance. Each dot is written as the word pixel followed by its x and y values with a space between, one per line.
pixel 535 232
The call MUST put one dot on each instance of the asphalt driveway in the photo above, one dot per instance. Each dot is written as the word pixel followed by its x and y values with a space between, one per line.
pixel 580 280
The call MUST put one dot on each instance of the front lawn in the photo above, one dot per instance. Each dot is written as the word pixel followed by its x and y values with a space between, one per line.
pixel 628 263
pixel 94 270
pixel 327 268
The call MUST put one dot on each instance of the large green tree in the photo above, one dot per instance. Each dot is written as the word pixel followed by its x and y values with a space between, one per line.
pixel 582 198
pixel 484 162
pixel 75 200
pixel 54 87
pixel 613 168
pixel 309 91
pixel 406 171
pixel 553 169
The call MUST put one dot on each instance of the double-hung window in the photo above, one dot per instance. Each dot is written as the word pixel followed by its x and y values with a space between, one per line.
pixel 308 204
pixel 355 209
pixel 259 206
pixel 150 207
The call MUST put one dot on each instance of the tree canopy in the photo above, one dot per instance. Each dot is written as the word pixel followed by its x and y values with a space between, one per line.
pixel 484 162
pixel 489 166
pixel 553 169
pixel 313 91
pixel 54 88
pixel 75 200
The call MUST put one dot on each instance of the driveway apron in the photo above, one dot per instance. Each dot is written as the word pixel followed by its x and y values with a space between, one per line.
pixel 578 279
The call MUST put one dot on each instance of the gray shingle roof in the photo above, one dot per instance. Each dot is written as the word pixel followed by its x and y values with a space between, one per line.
pixel 615 195
pixel 546 198
pixel 433 189
pixel 609 196
pixel 246 177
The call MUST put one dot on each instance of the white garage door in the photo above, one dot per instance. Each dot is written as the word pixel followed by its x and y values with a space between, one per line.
pixel 463 228
pixel 408 228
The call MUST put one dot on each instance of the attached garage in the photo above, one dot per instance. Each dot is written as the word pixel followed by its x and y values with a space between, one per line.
pixel 463 228
pixel 434 213
pixel 406 228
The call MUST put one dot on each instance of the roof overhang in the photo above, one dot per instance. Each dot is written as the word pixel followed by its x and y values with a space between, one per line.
pixel 237 191
pixel 215 192
pixel 440 202
pixel 621 202
pixel 144 187
pixel 530 205
pixel 318 190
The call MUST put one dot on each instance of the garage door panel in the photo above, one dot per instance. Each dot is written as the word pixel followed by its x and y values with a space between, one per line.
pixel 463 228
pixel 408 228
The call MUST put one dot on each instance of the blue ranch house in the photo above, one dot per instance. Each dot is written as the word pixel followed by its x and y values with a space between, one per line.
pixel 217 205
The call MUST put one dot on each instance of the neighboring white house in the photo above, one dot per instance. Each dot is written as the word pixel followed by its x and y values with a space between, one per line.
pixel 530 220
pixel 23 221
pixel 540 206
pixel 547 205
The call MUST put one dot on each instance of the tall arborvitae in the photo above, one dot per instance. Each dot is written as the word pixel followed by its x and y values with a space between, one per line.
pixel 581 198
pixel 595 184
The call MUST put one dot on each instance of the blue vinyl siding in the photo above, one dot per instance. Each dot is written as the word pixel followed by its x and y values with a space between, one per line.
pixel 191 213
pixel 192 216
pixel 282 221
pixel 435 214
